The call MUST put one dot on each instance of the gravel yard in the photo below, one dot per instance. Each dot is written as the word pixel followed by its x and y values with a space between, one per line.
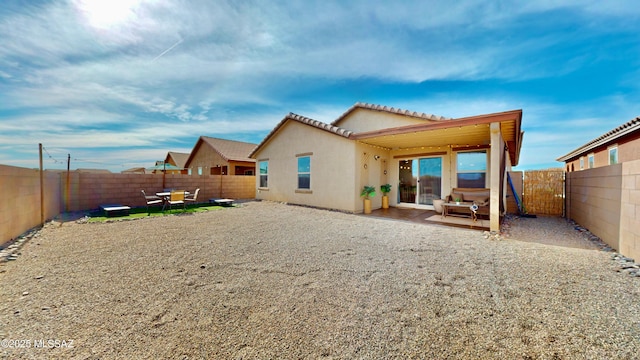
pixel 268 280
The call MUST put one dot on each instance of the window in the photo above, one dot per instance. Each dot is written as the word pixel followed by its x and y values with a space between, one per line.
pixel 264 174
pixel 581 163
pixel 613 155
pixel 199 170
pixel 591 161
pixel 304 172
pixel 472 169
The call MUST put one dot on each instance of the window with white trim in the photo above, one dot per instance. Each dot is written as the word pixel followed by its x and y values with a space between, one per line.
pixel 591 161
pixel 264 174
pixel 581 163
pixel 304 172
pixel 613 155
pixel 472 169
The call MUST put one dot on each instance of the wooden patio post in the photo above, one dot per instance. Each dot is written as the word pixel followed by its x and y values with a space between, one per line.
pixel 497 149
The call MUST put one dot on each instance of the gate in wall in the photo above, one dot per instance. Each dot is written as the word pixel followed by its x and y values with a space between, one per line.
pixel 542 191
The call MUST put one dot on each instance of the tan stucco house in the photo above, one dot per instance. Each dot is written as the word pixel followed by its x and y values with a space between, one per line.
pixel 177 159
pixel 215 156
pixel 308 162
pixel 619 145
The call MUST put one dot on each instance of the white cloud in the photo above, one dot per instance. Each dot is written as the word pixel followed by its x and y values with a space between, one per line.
pixel 148 73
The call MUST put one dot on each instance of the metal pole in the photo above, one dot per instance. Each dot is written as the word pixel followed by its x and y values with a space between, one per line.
pixel 41 188
pixel 164 174
pixel 68 195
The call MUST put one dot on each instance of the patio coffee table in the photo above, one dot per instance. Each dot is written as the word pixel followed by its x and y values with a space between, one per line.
pixel 447 206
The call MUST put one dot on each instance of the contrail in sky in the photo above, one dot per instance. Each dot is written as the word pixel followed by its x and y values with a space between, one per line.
pixel 166 51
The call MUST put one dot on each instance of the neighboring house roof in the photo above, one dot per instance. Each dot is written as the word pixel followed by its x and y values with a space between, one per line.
pixel 95 171
pixel 303 120
pixel 387 109
pixel 230 150
pixel 135 170
pixel 179 159
pixel 605 139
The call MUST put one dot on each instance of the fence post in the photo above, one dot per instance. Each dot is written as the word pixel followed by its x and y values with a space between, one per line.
pixel 41 187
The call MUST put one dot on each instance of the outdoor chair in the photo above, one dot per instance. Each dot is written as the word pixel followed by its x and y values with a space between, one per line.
pixel 150 200
pixel 175 198
pixel 192 198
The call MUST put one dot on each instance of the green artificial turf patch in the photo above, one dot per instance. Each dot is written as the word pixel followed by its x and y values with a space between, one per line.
pixel 141 212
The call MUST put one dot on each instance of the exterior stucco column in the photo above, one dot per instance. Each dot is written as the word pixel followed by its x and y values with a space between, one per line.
pixel 496 153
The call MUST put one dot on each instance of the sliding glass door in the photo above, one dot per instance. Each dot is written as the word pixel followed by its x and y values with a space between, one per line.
pixel 420 181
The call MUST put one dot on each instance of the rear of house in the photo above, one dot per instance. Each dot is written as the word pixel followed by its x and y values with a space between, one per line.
pixel 423 157
pixel 313 166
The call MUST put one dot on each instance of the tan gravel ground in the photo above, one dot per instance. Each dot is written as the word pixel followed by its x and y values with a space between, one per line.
pixel 268 280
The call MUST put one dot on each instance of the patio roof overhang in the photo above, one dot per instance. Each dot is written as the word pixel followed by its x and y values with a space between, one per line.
pixel 465 132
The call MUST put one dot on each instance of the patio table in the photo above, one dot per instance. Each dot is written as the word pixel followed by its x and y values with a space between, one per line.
pixel 447 206
pixel 166 195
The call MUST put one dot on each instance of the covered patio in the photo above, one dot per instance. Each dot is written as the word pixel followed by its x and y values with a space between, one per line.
pixel 498 135
pixel 424 217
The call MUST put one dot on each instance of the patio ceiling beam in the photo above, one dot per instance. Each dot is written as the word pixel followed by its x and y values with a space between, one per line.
pixel 514 115
pixel 465 148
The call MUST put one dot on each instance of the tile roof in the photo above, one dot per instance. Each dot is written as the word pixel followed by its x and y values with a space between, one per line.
pixel 307 121
pixel 622 130
pixel 179 158
pixel 388 109
pixel 139 170
pixel 230 149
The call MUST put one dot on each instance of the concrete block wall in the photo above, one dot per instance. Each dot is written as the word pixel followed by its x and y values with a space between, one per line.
pixel 630 210
pixel 20 208
pixel 79 191
pixel 593 201
pixel 90 190
pixel 606 200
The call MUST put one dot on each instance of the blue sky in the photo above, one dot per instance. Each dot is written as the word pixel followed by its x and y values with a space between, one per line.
pixel 117 84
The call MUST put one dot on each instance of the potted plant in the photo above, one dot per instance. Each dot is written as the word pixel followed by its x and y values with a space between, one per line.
pixel 386 188
pixel 458 200
pixel 367 192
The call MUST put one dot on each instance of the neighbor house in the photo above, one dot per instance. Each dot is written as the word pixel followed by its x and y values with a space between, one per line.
pixel 618 145
pixel 177 159
pixel 308 162
pixel 215 156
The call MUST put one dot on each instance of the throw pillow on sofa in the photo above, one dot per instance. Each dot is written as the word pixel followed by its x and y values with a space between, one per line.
pixel 480 200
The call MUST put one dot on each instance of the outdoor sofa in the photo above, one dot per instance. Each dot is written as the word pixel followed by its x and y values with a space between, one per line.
pixel 478 196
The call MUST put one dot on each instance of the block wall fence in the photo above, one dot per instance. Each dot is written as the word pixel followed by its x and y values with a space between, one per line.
pixel 20 208
pixel 20 190
pixel 606 201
